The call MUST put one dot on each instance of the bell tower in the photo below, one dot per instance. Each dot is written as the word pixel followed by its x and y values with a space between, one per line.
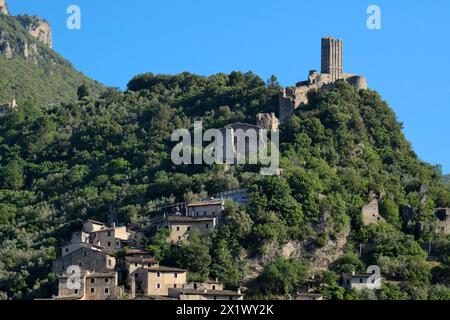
pixel 332 58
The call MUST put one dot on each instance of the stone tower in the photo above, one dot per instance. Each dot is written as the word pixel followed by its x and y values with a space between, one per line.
pixel 332 58
pixel 3 7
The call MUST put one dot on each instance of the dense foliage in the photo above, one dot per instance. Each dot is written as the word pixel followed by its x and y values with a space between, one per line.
pixel 109 158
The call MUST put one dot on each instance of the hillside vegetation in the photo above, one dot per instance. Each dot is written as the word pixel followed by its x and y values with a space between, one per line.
pixel 29 70
pixel 110 158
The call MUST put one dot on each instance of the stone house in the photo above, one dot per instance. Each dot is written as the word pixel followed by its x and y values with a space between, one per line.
pixel 181 228
pixel 156 281
pixel 88 259
pixel 209 285
pixel 360 281
pixel 209 208
pixel 92 286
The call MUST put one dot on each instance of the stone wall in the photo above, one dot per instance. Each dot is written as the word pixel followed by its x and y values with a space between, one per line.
pixel 87 259
pixel 371 213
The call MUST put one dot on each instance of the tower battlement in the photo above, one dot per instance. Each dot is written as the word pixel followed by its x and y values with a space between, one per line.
pixel 332 70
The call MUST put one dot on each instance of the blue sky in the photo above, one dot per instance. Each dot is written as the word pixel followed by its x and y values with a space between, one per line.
pixel 408 61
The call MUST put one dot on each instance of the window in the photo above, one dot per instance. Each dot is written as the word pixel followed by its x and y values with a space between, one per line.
pixel 106 280
pixel 175 275
pixel 158 274
pixel 178 228
pixel 76 291
pixel 109 244
pixel 158 286
pixel 109 233
pixel 92 290
pixel 195 286
pixel 67 249
pixel 174 286
pixel 106 290
pixel 207 226
pixel 361 280
pixel 188 228
pixel 135 264
pixel 92 280
pixel 85 254
pixel 214 287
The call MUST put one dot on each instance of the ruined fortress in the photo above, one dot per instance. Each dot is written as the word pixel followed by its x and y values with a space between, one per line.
pixel 332 70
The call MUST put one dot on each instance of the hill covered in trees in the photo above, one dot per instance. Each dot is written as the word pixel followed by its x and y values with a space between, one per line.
pixel 30 70
pixel 110 157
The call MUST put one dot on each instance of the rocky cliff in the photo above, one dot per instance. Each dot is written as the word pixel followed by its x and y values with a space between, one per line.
pixel 3 7
pixel 37 28
pixel 29 68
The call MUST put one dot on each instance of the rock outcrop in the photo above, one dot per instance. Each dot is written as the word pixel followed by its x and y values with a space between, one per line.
pixel 3 7
pixel 37 28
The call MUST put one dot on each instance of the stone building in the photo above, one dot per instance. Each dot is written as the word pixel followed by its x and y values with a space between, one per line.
pixel 207 208
pixel 88 259
pixel 360 281
pixel 97 235
pixel 332 70
pixel 371 213
pixel 181 227
pixel 156 281
pixel 91 286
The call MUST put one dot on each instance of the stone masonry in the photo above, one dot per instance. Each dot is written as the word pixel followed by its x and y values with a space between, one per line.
pixel 332 70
